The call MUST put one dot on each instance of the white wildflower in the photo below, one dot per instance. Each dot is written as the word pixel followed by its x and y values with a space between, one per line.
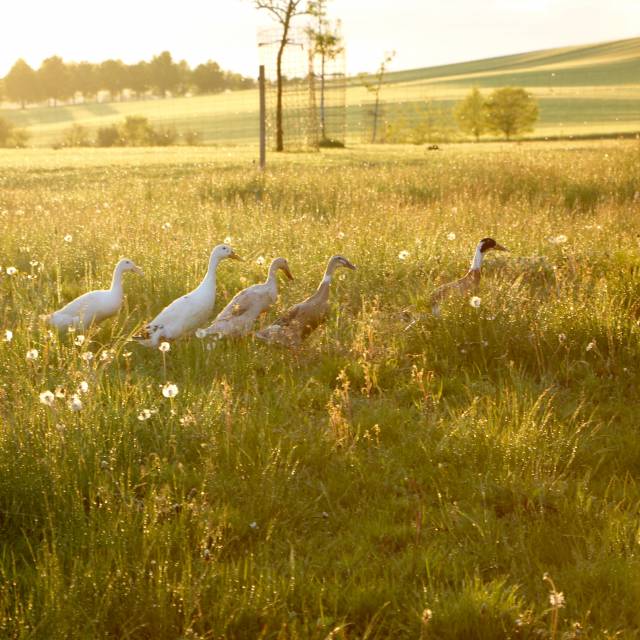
pixel 145 414
pixel 79 340
pixel 260 260
pixel 166 226
pixel 451 235
pixel 403 255
pixel 556 599
pixel 200 333
pixel 254 525
pixel 170 390
pixel 475 302
pixel 68 238
pixel 8 335
pixel 561 239
pixel 562 338
pixel 11 271
pixel 228 240
pixel 340 235
pixel 47 398
pixel 32 354
pixel 83 387
pixel 87 356
pixel 592 345
pixel 164 347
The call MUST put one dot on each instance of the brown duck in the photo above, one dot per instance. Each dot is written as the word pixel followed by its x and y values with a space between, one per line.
pixel 299 321
pixel 470 281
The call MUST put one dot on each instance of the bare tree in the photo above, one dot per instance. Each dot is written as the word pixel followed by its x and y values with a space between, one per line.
pixel 375 87
pixel 328 45
pixel 283 12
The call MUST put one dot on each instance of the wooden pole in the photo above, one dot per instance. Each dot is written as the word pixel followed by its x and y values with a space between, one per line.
pixel 263 120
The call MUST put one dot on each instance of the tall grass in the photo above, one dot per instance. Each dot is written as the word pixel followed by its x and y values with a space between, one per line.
pixel 380 482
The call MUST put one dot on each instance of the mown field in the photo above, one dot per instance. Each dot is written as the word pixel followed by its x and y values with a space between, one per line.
pixel 378 483
pixel 582 91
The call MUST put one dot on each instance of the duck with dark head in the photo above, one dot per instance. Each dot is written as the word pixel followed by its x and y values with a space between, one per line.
pixel 470 281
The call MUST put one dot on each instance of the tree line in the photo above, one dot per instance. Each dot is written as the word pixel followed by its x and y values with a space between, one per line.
pixel 58 81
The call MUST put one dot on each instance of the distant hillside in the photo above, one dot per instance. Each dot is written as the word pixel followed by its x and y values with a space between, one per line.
pixel 607 64
pixel 582 90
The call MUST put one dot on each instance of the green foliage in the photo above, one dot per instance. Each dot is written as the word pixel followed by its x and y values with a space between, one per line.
pixel 511 111
pixel 21 84
pixel 381 482
pixel 471 114
pixel 108 136
pixel 77 136
pixel 12 137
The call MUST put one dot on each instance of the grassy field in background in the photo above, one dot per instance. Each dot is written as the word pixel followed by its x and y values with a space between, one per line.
pixel 581 90
pixel 380 482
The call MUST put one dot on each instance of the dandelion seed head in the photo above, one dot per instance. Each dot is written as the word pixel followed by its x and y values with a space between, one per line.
pixel 68 238
pixel 83 387
pixel 166 226
pixel 47 398
pixel 475 302
pixel 228 240
pixel 451 235
pixel 145 414
pixel 403 255
pixel 79 340
pixel 591 346
pixel 87 356
pixel 200 333
pixel 75 404
pixel 170 390
pixel 562 338
pixel 8 335
pixel 260 260
pixel 340 235
pixel 11 271
pixel 32 354
pixel 164 347
pixel 556 599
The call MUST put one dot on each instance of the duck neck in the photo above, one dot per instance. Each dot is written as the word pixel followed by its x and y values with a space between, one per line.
pixel 209 279
pixel 116 280
pixel 272 278
pixel 476 263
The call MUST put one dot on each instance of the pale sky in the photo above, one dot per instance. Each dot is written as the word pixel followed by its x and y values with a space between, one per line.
pixel 424 33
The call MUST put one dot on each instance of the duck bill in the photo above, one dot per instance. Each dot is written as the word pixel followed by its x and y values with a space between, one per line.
pixel 287 272
pixel 499 247
pixel 234 256
pixel 349 265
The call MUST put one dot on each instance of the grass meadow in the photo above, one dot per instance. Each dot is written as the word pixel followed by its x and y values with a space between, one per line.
pixel 377 483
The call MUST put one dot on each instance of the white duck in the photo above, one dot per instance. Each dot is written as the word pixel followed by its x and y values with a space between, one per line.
pixel 95 306
pixel 185 314
pixel 238 317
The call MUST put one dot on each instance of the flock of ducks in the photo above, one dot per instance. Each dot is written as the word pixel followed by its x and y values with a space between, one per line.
pixel 186 315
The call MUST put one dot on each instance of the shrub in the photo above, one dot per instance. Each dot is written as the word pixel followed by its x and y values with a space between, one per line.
pixel 164 136
pixel 76 136
pixel 137 132
pixel 108 136
pixel 192 137
pixel 10 136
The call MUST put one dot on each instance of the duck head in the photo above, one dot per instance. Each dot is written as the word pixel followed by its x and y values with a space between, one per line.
pixel 488 244
pixel 280 263
pixel 339 261
pixel 129 265
pixel 222 252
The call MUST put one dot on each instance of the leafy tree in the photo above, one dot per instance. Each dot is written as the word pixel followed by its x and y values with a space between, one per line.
pixel 511 110
pixel 471 114
pixel 139 77
pixel 21 84
pixel 283 12
pixel 113 76
pixel 208 77
pixel 84 79
pixel 327 44
pixel 164 73
pixel 55 79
